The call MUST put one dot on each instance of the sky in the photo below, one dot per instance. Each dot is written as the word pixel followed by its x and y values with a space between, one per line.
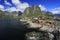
pixel 20 5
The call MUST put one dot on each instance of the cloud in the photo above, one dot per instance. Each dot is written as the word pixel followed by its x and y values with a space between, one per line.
pixel 16 2
pixel 7 3
pixel 56 10
pixel 42 7
pixel 19 5
pixel 11 9
pixel 2 7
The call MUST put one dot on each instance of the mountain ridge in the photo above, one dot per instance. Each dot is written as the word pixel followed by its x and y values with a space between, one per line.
pixel 56 14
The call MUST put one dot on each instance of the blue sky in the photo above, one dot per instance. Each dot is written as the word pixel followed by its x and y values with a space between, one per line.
pixel 20 5
pixel 49 4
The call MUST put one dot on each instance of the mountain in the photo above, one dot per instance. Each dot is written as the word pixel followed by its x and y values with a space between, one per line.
pixel 36 9
pixel 27 11
pixel 56 14
pixel 7 14
pixel 14 13
pixel 32 11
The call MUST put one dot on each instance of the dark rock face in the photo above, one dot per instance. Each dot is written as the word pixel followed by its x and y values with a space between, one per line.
pixel 42 36
pixel 56 34
pixel 37 36
pixel 19 13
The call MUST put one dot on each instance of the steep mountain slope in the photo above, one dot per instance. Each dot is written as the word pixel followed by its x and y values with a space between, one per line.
pixel 33 11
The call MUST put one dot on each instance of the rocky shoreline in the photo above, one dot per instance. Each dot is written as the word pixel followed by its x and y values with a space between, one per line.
pixel 36 25
pixel 52 32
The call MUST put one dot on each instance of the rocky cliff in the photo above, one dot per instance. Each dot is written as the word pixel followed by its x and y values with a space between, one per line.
pixel 32 11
